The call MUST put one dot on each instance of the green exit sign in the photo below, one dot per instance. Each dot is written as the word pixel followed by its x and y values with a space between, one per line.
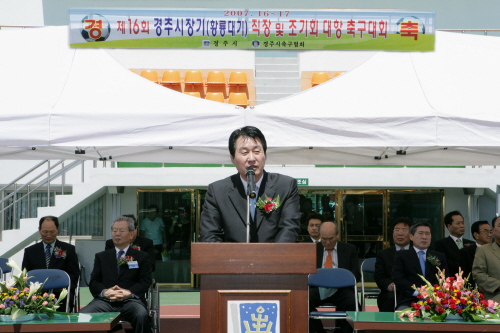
pixel 302 181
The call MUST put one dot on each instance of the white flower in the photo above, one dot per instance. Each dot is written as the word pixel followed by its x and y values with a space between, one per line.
pixel 13 264
pixel 62 295
pixel 34 288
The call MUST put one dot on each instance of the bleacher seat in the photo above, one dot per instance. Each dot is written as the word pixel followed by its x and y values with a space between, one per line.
pixel 239 99
pixel 319 77
pixel 151 75
pixel 215 96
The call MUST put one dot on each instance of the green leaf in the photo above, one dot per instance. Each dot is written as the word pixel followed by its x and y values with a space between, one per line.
pixel 439 318
pixel 4 288
pixel 475 318
pixel 18 313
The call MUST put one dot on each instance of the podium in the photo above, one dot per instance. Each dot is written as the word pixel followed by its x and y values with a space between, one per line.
pixel 236 273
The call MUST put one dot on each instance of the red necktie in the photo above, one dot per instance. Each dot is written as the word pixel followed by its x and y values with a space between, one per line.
pixel 328 260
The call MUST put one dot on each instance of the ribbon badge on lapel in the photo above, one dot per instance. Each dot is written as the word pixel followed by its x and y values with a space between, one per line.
pixel 267 204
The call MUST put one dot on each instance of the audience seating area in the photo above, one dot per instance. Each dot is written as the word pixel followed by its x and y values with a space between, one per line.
pixel 311 79
pixel 223 86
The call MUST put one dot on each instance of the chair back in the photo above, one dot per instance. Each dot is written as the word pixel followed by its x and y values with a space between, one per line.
pixel 171 77
pixel 239 99
pixel 215 96
pixel 193 93
pixel 367 266
pixel 151 75
pixel 216 77
pixel 319 77
pixel 238 78
pixel 4 268
pixel 54 279
pixel 334 278
pixel 193 77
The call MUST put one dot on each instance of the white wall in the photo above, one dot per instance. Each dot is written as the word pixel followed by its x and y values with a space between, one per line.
pixel 177 59
pixel 26 13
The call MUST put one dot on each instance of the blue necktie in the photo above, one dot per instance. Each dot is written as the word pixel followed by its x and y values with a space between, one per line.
pixel 120 254
pixel 253 203
pixel 48 253
pixel 421 258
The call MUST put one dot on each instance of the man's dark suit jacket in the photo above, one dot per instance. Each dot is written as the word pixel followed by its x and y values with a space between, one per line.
pixel 466 260
pixel 405 273
pixel 383 278
pixel 34 258
pixel 105 273
pixel 347 258
pixel 450 249
pixel 223 218
pixel 145 245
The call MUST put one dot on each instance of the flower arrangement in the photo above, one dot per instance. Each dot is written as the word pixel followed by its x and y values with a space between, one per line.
pixel 124 260
pixel 59 253
pixel 17 298
pixel 451 295
pixel 136 247
pixel 267 204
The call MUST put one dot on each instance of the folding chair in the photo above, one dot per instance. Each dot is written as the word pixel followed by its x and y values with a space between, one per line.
pixel 368 266
pixel 332 278
pixel 153 307
pixel 4 269
pixel 54 279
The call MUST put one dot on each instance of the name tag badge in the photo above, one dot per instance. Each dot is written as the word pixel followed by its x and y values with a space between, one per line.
pixel 133 264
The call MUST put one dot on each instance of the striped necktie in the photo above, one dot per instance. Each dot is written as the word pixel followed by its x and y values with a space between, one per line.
pixel 47 255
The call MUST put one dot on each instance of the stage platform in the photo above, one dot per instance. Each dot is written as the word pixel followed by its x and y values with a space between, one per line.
pixel 180 311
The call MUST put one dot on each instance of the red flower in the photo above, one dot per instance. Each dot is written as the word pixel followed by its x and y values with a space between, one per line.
pixel 269 207
pixel 427 307
pixel 440 294
pixel 444 301
pixel 415 306
pixel 463 301
pixel 453 306
pixel 459 294
pixel 460 311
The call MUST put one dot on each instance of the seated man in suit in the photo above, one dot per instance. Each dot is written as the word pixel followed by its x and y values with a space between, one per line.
pixel 481 231
pixel 120 279
pixel 486 270
pixel 450 245
pixel 332 253
pixel 417 260
pixel 224 215
pixel 313 221
pixel 139 243
pixel 385 261
pixel 54 254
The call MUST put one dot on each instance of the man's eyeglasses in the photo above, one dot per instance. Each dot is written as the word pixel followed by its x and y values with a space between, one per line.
pixel 487 232
pixel 404 231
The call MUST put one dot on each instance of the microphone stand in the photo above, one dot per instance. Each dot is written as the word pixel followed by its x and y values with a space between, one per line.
pixel 250 194
pixel 248 217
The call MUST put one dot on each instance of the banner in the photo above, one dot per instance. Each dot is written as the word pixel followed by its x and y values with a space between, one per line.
pixel 252 29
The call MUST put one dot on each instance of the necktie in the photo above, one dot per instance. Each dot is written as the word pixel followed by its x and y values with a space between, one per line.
pixel 459 243
pixel 48 253
pixel 120 254
pixel 253 203
pixel 421 258
pixel 328 260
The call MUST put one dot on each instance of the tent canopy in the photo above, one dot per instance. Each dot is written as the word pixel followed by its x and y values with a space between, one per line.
pixel 402 108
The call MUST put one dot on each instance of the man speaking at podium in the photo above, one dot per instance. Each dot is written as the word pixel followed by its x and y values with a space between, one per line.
pixel 274 211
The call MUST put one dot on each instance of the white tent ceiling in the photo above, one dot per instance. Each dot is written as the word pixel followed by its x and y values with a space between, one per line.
pixel 439 107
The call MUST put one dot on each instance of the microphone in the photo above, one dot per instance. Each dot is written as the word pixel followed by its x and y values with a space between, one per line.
pixel 251 184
